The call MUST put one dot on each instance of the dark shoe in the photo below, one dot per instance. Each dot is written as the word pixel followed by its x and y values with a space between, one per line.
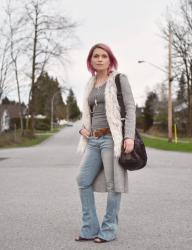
pixel 99 240
pixel 79 238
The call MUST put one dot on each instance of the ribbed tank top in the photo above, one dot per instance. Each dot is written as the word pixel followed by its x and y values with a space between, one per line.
pixel 96 100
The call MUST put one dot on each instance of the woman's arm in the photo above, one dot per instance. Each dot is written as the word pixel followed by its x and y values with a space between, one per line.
pixel 130 118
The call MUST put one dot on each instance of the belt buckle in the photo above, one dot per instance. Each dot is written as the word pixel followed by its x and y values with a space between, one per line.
pixel 94 134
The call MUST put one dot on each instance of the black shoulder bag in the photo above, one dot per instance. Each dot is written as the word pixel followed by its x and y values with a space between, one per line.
pixel 137 159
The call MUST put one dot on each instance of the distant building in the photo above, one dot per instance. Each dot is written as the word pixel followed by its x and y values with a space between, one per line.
pixel 181 117
pixel 140 117
pixel 8 112
pixel 139 111
pixel 4 120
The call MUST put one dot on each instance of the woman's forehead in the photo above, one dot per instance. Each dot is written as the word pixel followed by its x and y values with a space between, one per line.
pixel 99 51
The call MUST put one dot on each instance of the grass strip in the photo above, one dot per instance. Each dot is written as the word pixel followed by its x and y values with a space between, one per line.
pixel 163 144
pixel 10 141
pixel 32 142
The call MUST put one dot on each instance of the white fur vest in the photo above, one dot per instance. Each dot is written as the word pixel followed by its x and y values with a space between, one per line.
pixel 112 112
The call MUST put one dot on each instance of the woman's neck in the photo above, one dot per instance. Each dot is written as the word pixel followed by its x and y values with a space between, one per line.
pixel 100 78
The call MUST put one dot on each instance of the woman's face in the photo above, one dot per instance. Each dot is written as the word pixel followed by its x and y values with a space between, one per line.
pixel 100 60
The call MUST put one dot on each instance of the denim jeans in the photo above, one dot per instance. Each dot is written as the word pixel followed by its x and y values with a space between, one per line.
pixel 98 151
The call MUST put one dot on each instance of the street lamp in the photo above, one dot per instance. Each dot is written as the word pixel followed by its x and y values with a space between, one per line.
pixel 170 79
pixel 52 104
pixel 152 64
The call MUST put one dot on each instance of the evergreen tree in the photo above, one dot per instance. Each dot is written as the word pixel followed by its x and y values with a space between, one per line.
pixel 150 109
pixel 46 91
pixel 161 116
pixel 73 111
pixel 6 101
pixel 182 91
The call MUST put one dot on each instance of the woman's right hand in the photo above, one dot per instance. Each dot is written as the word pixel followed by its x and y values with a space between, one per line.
pixel 84 132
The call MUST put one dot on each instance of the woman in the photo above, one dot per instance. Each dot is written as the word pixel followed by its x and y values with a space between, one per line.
pixel 101 141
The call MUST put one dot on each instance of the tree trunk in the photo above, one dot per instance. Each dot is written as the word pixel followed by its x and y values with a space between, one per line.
pixel 32 107
pixel 14 61
pixel 19 97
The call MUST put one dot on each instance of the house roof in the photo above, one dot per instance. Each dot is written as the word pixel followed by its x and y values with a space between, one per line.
pixel 12 109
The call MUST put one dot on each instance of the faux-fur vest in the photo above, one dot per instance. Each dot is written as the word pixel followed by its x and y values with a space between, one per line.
pixel 112 112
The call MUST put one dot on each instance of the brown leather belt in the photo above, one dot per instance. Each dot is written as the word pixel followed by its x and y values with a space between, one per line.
pixel 100 132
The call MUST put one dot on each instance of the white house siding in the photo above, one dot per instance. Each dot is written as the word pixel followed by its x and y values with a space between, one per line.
pixel 5 121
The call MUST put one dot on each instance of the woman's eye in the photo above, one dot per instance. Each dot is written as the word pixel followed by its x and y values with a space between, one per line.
pixel 96 56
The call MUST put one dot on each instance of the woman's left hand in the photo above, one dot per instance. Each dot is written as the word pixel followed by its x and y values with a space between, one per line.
pixel 128 145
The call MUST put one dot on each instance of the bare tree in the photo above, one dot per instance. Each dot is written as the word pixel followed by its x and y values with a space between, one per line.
pixel 14 36
pixel 49 37
pixel 4 62
pixel 181 27
pixel 36 40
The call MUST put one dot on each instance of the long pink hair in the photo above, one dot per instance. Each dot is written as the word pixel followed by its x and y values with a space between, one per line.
pixel 113 60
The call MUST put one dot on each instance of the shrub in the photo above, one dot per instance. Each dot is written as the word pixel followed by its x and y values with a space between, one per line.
pixel 40 124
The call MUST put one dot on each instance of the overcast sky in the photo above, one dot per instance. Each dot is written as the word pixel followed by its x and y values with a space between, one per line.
pixel 130 28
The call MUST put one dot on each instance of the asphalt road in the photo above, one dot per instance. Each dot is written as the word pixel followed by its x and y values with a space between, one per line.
pixel 40 207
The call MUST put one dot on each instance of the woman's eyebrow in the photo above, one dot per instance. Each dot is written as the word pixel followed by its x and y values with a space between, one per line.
pixel 100 54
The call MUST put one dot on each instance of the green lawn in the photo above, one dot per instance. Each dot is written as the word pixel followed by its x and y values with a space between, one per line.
pixel 9 140
pixel 31 142
pixel 162 143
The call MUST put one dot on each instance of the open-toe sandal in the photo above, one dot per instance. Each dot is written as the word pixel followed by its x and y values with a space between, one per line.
pixel 99 240
pixel 79 238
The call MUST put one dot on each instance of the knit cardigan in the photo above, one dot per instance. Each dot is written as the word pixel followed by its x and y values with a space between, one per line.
pixel 115 125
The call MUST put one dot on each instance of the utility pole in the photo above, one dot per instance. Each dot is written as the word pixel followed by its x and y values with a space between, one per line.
pixel 1 93
pixel 170 78
pixel 52 102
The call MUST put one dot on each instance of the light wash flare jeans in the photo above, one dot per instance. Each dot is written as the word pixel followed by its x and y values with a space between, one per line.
pixel 98 151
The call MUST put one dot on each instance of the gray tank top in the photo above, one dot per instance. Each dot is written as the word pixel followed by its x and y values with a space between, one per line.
pixel 96 100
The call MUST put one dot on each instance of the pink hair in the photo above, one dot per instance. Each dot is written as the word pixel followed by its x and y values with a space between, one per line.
pixel 113 60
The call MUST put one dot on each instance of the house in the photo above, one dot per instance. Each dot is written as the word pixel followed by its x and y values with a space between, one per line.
pixel 140 117
pixel 181 117
pixel 4 120
pixel 8 112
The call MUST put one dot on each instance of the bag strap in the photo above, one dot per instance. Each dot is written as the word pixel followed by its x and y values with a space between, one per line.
pixel 120 101
pixel 91 116
pixel 120 96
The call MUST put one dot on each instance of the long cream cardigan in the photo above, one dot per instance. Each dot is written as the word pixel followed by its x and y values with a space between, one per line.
pixel 114 121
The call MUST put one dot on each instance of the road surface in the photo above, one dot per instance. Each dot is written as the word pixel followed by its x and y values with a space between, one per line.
pixel 40 207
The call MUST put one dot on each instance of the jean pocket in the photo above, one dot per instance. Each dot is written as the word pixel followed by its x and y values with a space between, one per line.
pixel 90 137
pixel 108 136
